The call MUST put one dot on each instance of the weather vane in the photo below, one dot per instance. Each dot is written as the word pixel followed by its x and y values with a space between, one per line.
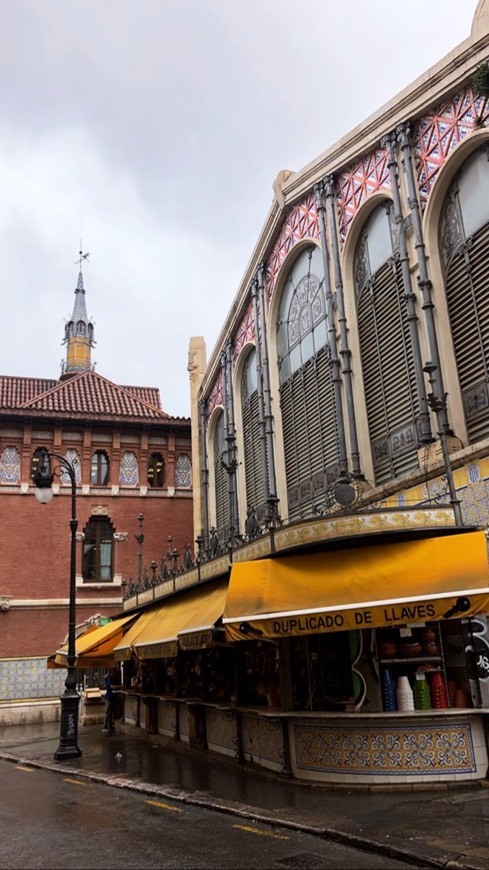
pixel 81 256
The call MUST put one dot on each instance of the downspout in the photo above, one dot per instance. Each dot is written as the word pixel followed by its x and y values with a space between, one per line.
pixel 272 479
pixel 425 433
pixel 424 282
pixel 261 399
pixel 333 347
pixel 230 436
pixel 204 473
pixel 345 352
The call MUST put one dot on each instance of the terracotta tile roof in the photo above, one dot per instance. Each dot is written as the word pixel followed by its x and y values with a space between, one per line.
pixel 87 394
pixel 14 392
pixel 150 395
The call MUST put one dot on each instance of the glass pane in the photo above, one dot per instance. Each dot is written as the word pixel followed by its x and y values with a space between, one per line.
pixel 474 194
pixel 105 561
pixel 379 239
pixel 320 335
pixel 251 376
pixel 295 359
pixel 285 369
pixel 307 347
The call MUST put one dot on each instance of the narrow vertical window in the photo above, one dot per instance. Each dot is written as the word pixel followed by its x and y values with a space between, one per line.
pixel 100 468
pixel 97 551
pixel 386 352
pixel 156 470
pixel 464 249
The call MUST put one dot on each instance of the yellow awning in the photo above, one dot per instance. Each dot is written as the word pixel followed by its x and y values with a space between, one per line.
pixel 389 584
pixel 95 647
pixel 192 613
pixel 125 647
pixel 197 633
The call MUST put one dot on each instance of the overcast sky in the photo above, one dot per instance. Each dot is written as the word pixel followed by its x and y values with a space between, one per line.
pixel 153 131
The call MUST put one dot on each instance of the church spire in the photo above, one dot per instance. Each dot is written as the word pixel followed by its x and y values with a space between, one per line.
pixel 78 331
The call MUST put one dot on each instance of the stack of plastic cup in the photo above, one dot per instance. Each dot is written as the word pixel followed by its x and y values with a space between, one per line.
pixel 438 691
pixel 404 694
pixel 388 691
pixel 422 699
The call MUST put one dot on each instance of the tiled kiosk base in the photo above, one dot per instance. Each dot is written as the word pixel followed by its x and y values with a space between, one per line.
pixel 394 748
pixel 350 748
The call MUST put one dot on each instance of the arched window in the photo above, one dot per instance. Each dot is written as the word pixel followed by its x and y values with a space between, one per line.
pixel 156 470
pixel 39 460
pixel 223 520
pixel 183 472
pixel 97 551
pixel 254 447
pixel 10 465
pixel 128 470
pixel 100 468
pixel 81 328
pixel 306 392
pixel 464 249
pixel 385 348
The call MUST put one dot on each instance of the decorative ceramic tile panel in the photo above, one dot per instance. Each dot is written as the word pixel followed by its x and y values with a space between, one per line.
pixel 437 134
pixel 10 465
pixel 222 728
pixel 27 679
pixel 128 470
pixel 263 738
pixel 246 331
pixel 474 500
pixel 357 183
pixel 183 472
pixel 404 750
pixel 216 396
pixel 301 223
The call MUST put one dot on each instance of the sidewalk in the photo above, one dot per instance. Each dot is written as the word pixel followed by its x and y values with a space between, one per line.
pixel 443 827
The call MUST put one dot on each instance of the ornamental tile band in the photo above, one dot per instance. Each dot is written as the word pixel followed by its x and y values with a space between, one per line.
pixel 402 751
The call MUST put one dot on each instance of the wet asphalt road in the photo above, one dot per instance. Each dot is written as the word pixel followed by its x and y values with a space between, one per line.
pixel 53 821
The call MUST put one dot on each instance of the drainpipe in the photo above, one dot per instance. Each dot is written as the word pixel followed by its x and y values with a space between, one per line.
pixel 262 335
pixel 345 352
pixel 230 435
pixel 424 282
pixel 204 473
pixel 261 399
pixel 333 347
pixel 424 433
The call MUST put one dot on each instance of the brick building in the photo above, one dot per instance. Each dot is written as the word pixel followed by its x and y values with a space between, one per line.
pixel 134 490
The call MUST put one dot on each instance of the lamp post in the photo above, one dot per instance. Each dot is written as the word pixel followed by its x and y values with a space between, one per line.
pixel 437 404
pixel 140 540
pixel 70 699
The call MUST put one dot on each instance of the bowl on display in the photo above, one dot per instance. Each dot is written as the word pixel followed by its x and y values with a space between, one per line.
pixel 410 649
pixel 387 649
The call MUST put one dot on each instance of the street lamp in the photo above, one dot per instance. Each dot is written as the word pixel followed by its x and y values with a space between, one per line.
pixel 70 699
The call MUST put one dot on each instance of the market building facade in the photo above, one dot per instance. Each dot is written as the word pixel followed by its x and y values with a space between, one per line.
pixel 132 464
pixel 334 624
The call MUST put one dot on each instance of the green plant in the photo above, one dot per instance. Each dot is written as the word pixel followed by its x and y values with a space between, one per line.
pixel 480 80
